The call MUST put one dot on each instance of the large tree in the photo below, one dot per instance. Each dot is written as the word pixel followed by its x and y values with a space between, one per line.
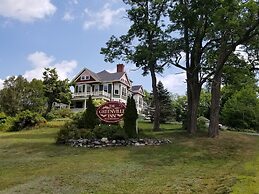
pixel 19 94
pixel 146 42
pixel 55 90
pixel 210 31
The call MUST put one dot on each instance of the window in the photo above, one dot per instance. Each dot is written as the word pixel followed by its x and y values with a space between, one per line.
pixel 88 88
pixel 96 88
pixel 105 88
pixel 124 91
pixel 80 88
pixel 85 77
pixel 116 91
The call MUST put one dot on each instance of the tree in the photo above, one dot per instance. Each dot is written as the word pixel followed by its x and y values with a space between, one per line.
pixel 18 95
pixel 130 116
pixel 209 33
pixel 240 110
pixel 165 102
pixel 237 22
pixel 146 42
pixel 55 90
pixel 89 118
pixel 179 104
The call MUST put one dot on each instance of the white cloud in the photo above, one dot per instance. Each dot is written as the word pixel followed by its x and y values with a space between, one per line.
pixel 68 17
pixel 102 19
pixel 26 10
pixel 40 60
pixel 1 84
pixel 175 83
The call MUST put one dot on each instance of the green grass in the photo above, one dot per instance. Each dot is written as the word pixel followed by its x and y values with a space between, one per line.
pixel 31 162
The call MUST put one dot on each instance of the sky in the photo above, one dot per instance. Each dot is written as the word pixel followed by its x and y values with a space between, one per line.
pixel 67 35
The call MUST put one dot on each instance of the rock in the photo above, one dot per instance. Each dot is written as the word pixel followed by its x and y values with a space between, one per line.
pixel 113 141
pixel 104 140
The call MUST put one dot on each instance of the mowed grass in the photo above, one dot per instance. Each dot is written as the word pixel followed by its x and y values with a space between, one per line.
pixel 31 162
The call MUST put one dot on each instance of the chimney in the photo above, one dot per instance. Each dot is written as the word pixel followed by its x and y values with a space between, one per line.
pixel 120 68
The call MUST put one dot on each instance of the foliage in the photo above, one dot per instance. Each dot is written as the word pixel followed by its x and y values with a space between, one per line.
pixel 113 131
pixel 26 119
pixel 98 102
pixel 70 131
pixel 18 94
pixel 204 105
pixel 89 118
pixel 60 113
pixel 202 124
pixel 179 105
pixel 241 110
pixel 130 116
pixel 5 122
pixel 55 90
pixel 164 97
pixel 146 43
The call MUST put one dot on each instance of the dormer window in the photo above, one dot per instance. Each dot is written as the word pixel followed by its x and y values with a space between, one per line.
pixel 85 77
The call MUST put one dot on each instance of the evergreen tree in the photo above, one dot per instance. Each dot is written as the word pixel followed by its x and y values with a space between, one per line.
pixel 130 117
pixel 165 101
pixel 89 118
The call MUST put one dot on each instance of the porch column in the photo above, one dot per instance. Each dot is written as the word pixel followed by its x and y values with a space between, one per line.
pixel 84 104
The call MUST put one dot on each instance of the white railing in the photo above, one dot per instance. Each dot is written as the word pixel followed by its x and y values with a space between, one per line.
pixel 94 94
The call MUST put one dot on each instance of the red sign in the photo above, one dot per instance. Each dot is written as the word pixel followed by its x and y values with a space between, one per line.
pixel 111 112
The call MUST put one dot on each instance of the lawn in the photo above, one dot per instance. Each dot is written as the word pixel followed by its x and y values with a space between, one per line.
pixel 30 162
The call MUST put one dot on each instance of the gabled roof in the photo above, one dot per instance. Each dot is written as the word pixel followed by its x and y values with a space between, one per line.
pixel 136 88
pixel 94 75
pixel 106 76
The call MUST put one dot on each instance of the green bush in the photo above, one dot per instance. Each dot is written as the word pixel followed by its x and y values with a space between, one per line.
pixel 66 132
pixel 110 131
pixel 130 117
pixel 88 119
pixel 6 122
pixel 241 110
pixel 26 119
pixel 60 113
pixel 202 124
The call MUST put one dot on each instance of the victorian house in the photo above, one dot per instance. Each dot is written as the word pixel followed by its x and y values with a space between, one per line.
pixel 105 86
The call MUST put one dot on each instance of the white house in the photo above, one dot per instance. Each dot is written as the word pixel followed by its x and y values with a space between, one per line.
pixel 106 86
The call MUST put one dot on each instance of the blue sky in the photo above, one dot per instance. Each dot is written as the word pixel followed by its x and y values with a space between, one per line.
pixel 68 35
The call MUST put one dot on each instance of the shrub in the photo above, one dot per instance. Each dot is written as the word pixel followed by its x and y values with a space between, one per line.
pixel 89 118
pixel 6 122
pixel 110 131
pixel 70 131
pixel 130 117
pixel 3 118
pixel 202 124
pixel 26 119
pixel 59 113
pixel 241 110
pixel 66 132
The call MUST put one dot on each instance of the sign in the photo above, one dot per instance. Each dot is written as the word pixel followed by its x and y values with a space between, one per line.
pixel 111 112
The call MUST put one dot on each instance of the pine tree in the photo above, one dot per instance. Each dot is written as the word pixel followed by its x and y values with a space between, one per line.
pixel 89 118
pixel 130 117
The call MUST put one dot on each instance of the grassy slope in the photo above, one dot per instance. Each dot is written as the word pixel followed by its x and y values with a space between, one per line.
pixel 30 162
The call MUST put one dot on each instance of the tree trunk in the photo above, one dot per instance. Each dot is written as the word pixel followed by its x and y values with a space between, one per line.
pixel 193 94
pixel 215 105
pixel 49 107
pixel 156 126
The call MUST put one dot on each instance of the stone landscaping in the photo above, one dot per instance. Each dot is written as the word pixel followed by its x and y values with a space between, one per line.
pixel 105 142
